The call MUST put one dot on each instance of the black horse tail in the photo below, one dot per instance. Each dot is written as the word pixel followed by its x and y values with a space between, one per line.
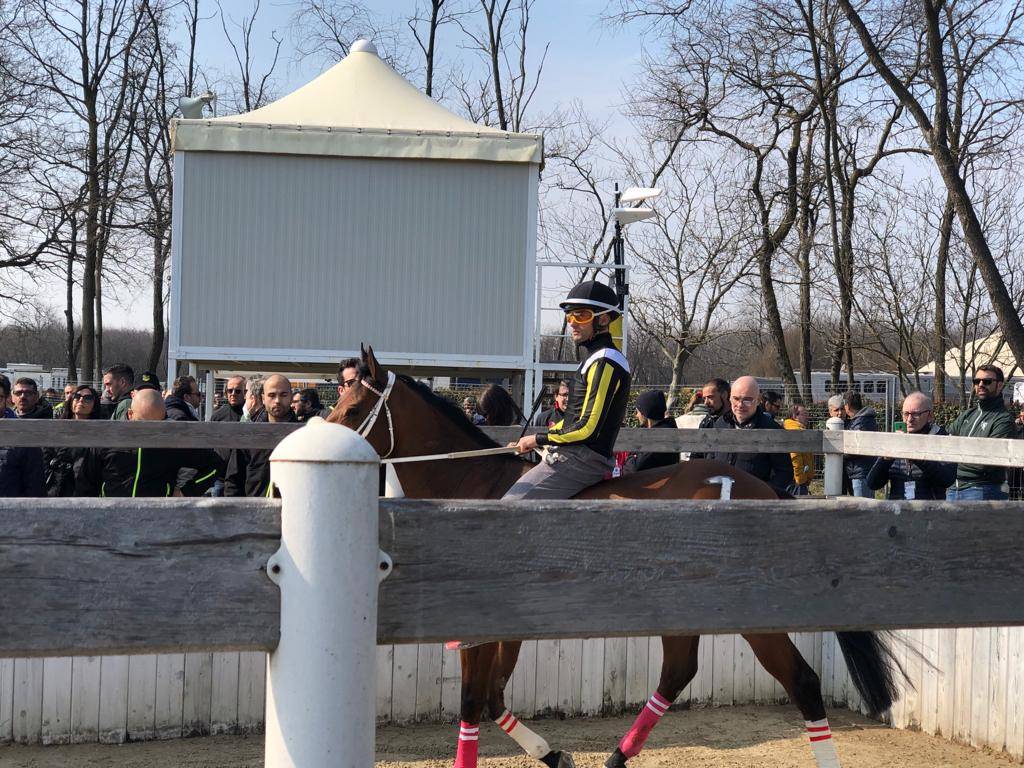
pixel 874 669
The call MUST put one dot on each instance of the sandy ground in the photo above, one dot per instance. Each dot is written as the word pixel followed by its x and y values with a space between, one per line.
pixel 766 737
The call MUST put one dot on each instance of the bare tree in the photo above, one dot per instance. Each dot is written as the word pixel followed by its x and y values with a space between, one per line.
pixel 84 55
pixel 997 34
pixel 254 88
pixel 324 30
pixel 691 262
pixel 512 81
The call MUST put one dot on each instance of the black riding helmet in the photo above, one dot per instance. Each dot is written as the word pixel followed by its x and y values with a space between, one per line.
pixel 594 295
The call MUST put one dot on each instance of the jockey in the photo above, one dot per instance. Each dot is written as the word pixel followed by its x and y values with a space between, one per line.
pixel 581 445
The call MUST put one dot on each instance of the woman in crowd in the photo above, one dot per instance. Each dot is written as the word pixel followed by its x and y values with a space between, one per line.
pixel 498 408
pixel 63 464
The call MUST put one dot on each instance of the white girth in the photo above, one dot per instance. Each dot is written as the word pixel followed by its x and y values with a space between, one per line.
pixel 371 418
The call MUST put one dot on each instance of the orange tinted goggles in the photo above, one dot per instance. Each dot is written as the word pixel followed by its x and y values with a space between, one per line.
pixel 583 316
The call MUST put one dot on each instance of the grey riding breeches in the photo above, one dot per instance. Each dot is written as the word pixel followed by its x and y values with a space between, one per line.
pixel 575 468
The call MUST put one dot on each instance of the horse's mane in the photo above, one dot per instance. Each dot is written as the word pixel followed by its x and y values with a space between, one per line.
pixel 452 412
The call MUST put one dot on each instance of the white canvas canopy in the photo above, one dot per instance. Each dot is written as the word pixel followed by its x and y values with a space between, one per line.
pixel 990 349
pixel 360 107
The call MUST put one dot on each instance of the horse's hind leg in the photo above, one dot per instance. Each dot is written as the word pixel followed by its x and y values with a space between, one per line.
pixel 477 667
pixel 678 667
pixel 783 661
pixel 533 744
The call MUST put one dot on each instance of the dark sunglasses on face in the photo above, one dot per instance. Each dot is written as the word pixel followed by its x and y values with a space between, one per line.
pixel 85 397
pixel 22 393
pixel 234 391
pixel 985 382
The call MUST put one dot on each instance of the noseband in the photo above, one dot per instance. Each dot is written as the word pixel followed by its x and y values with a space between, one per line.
pixel 382 403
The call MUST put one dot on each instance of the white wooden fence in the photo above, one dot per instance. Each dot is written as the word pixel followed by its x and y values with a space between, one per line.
pixel 968 684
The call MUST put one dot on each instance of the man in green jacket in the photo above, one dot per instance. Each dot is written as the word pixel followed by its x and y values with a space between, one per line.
pixel 989 418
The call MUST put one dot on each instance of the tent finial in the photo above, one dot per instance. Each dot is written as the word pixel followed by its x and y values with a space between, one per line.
pixel 363 46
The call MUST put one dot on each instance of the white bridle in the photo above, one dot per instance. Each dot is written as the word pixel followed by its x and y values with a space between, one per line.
pixel 382 403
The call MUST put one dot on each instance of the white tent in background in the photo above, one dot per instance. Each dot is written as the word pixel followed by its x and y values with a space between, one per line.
pixel 355 209
pixel 988 349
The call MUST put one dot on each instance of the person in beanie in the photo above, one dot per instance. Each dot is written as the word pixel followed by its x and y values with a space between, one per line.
pixel 650 412
pixel 580 446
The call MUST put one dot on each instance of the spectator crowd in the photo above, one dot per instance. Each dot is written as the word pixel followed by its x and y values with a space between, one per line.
pixel 97 471
pixel 718 404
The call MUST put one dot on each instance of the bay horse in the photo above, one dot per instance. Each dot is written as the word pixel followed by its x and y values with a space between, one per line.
pixel 401 417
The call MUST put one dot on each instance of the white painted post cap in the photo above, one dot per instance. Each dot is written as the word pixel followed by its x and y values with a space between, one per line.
pixel 834 423
pixel 325 443
pixel 363 46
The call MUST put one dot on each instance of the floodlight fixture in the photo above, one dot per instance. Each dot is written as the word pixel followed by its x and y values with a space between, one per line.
pixel 625 216
pixel 639 194
pixel 192 106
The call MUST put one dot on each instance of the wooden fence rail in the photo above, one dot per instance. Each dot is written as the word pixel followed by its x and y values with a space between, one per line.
pixel 175 434
pixel 166 574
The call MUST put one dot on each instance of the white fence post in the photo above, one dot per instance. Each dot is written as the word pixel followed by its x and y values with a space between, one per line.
pixel 321 679
pixel 833 462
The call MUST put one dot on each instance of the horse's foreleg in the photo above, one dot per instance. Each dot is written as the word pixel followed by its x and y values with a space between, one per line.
pixel 783 661
pixel 678 667
pixel 533 744
pixel 477 666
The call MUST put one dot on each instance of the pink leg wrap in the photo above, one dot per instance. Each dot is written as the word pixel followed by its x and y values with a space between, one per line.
pixel 649 716
pixel 468 741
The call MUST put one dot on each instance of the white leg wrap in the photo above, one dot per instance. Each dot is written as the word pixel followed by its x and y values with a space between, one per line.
pixel 824 748
pixel 532 744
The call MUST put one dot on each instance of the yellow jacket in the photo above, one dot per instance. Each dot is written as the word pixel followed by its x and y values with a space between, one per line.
pixel 803 463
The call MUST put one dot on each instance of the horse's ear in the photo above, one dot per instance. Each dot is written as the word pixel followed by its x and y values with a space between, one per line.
pixel 362 351
pixel 371 362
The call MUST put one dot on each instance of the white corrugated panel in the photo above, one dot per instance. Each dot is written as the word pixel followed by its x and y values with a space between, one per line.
pixel 282 252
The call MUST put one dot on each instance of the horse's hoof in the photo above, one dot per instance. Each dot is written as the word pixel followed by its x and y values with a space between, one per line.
pixel 616 760
pixel 558 760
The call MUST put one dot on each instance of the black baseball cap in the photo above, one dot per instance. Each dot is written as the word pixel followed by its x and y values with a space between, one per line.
pixel 147 380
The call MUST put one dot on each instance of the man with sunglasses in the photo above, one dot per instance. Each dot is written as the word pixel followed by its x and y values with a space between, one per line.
pixel 988 418
pixel 581 444
pixel 914 478
pixel 21 469
pixel 234 393
pixel 26 400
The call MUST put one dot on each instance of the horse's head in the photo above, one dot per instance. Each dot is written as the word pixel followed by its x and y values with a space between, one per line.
pixel 363 405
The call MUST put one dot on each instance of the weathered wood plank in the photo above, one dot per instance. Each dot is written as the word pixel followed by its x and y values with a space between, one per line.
pixel 142 434
pixel 385 671
pixel 197 696
pixel 170 692
pixel 873 565
pixel 86 576
pixel 142 697
pixel 113 716
pixel 85 699
pixel 224 692
pixel 252 677
pixel 180 434
pixel 56 723
pixel 6 700
pixel 524 680
pixel 28 700
pixel 967 450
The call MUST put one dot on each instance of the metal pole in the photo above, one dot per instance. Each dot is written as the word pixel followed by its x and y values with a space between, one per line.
pixel 321 678
pixel 211 385
pixel 834 462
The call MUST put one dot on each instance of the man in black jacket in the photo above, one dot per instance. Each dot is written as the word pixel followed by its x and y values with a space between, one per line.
pixel 745 412
pixel 21 469
pixel 860 418
pixel 136 472
pixel 650 412
pixel 184 391
pixel 248 471
pixel 914 478
pixel 234 392
pixel 556 412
